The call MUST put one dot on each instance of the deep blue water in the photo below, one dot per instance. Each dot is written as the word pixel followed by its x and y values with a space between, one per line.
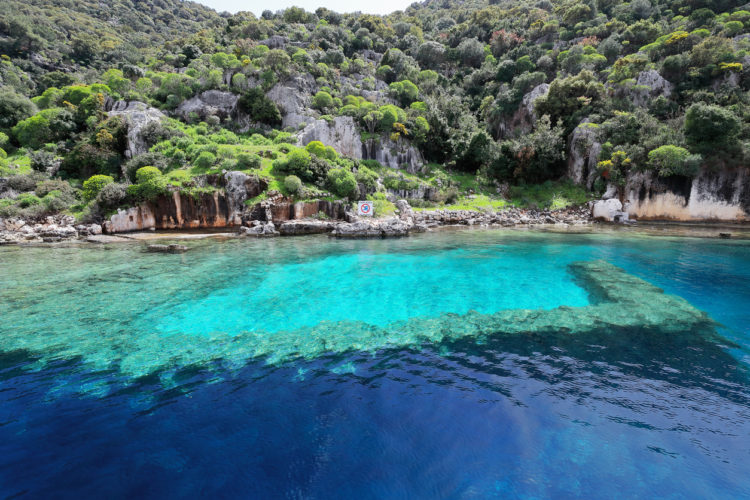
pixel 120 378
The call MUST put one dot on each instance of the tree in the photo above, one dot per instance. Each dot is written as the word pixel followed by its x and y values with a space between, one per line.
pixel 292 183
pixel 431 54
pixel 710 129
pixel 260 108
pixel 673 160
pixel 571 98
pixel 13 108
pixel 342 183
pixel 405 91
pixel 150 183
pixel 471 52
pixel 93 185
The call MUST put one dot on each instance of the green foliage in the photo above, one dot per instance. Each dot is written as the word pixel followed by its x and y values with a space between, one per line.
pixel 367 177
pixel 673 160
pixel 342 183
pixel 205 160
pixel 14 107
pixel 292 183
pixel 93 185
pixel 150 183
pixel 710 128
pixel 318 149
pixel 616 168
pixel 322 100
pixel 260 108
pixel 405 91
pixel 247 161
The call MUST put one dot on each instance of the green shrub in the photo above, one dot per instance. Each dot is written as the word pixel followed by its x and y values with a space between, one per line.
pixel 318 149
pixel 709 128
pixel 342 183
pixel 322 100
pixel 112 195
pixel 150 184
pixel 292 183
pixel 205 160
pixel 260 108
pixel 248 160
pixel 93 185
pixel 673 160
pixel 368 178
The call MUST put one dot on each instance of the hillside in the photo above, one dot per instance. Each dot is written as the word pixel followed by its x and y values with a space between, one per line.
pixel 448 104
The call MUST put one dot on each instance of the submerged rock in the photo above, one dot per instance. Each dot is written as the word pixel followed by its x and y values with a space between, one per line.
pixel 173 248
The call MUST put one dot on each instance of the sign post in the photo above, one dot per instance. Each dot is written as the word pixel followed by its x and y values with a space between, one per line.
pixel 365 208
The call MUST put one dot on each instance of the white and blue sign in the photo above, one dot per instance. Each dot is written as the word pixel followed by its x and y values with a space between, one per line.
pixel 365 208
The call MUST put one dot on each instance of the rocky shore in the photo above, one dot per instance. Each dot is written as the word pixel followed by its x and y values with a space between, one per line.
pixel 61 228
pixel 52 229
pixel 407 221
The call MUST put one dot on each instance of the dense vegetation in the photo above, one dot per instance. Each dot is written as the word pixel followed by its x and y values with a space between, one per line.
pixel 662 85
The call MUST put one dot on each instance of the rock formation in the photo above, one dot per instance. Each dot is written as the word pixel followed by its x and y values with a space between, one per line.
pixel 137 116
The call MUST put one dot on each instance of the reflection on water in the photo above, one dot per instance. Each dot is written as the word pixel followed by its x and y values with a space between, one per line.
pixel 604 412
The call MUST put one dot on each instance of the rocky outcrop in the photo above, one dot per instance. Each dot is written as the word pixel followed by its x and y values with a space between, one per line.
pixel 259 229
pixel 525 116
pixel 584 148
pixel 277 208
pixel 341 134
pixel 174 211
pixel 240 187
pixel 210 103
pixel 306 226
pixel 52 229
pixel 609 210
pixel 650 85
pixel 137 115
pixel 373 228
pixel 400 155
pixel 292 97
pixel 710 196
pixel 508 218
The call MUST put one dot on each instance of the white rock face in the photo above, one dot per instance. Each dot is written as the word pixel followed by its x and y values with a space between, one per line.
pixel 394 154
pixel 210 102
pixel 606 210
pixel 584 147
pixel 657 84
pixel 719 195
pixel 341 134
pixel 293 100
pixel 529 99
pixel 136 115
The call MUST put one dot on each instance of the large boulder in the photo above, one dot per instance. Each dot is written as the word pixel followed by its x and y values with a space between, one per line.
pixel 584 148
pixel 650 85
pixel 341 134
pixel 305 226
pixel 210 103
pixel 292 97
pixel 137 115
pixel 607 210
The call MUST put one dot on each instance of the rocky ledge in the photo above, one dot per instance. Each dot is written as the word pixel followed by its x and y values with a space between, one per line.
pixel 508 217
pixel 52 229
pixel 407 222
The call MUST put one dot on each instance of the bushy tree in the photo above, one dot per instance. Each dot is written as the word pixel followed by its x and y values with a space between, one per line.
pixel 150 183
pixel 260 108
pixel 93 186
pixel 710 129
pixel 673 160
pixel 14 107
pixel 405 91
pixel 342 183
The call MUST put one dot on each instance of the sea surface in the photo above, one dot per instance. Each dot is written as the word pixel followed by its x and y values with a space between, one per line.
pixel 126 374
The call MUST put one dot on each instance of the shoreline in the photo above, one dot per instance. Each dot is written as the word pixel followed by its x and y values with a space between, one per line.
pixel 702 230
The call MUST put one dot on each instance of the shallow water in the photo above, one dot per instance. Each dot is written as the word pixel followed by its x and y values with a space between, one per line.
pixel 125 374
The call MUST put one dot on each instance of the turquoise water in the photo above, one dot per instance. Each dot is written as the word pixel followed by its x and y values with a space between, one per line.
pixel 412 368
